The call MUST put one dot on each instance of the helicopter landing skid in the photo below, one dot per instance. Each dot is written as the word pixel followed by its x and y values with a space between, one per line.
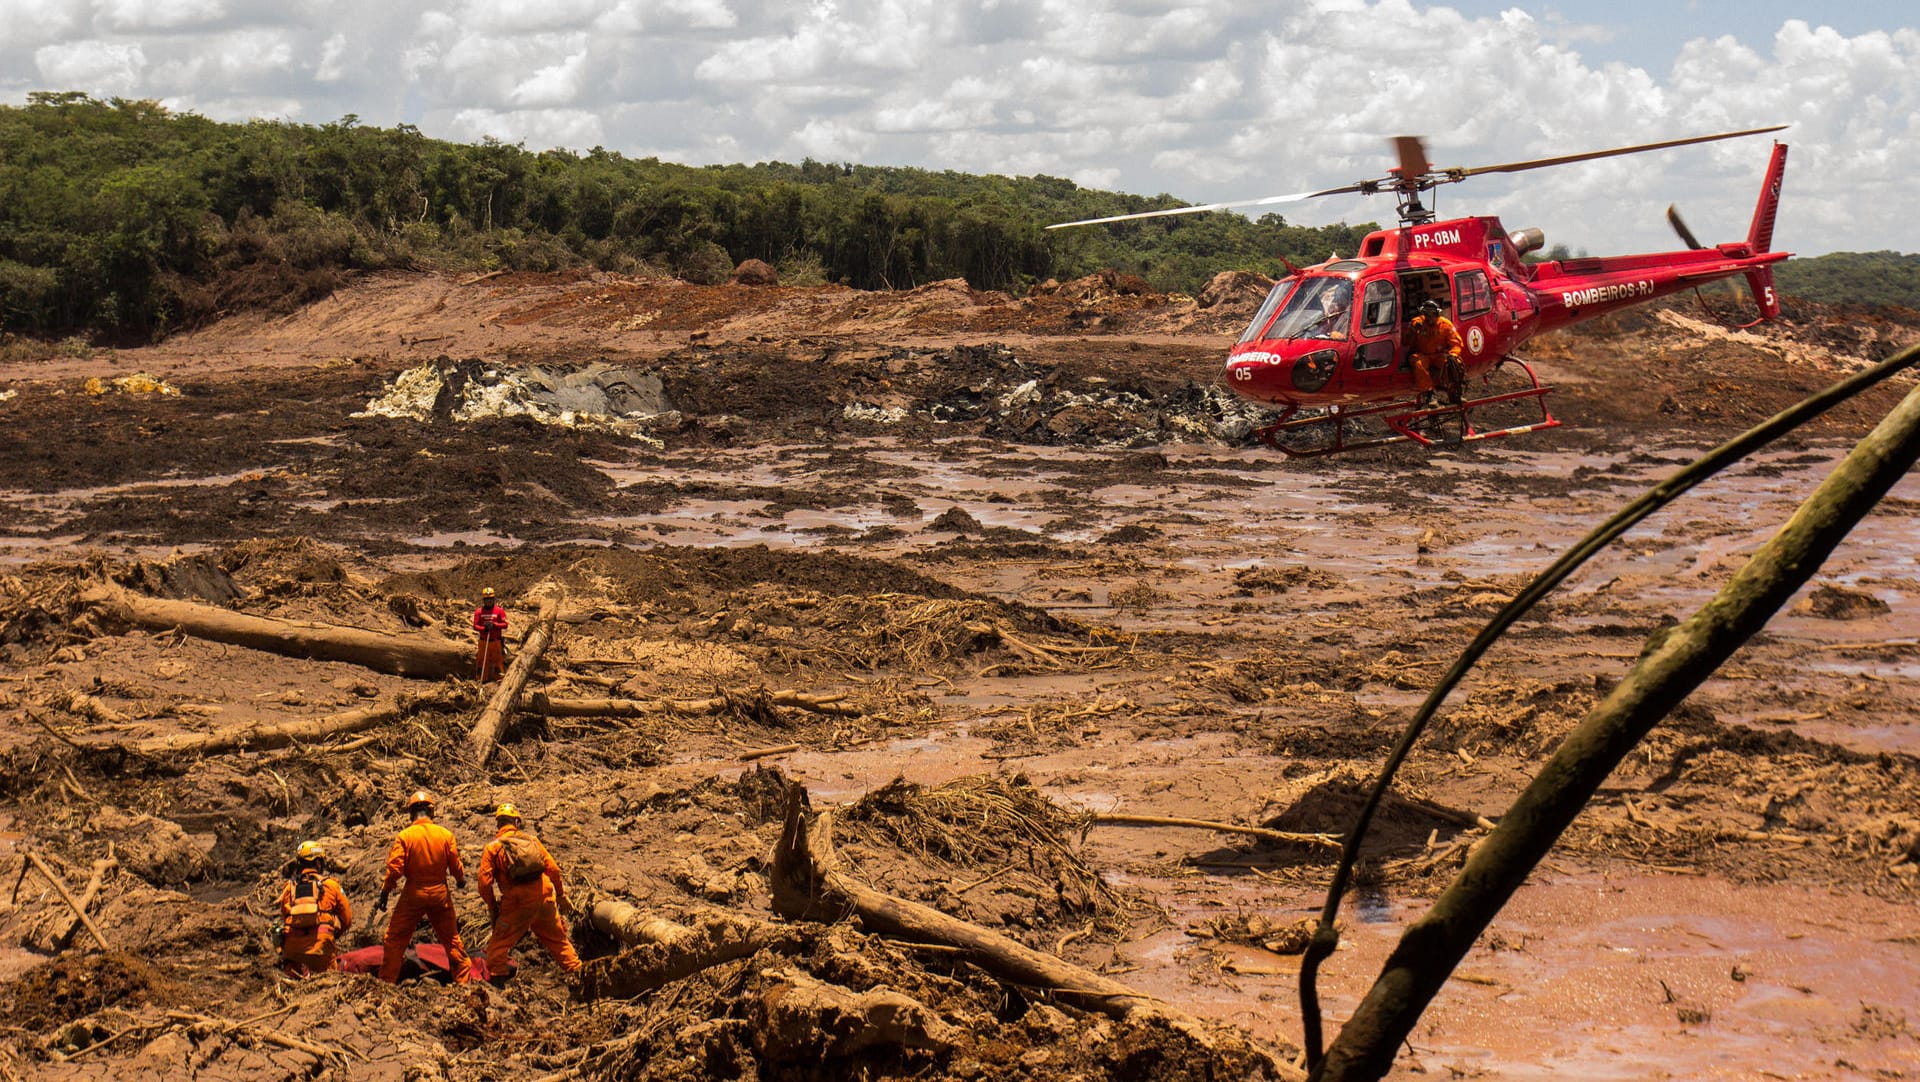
pixel 1407 420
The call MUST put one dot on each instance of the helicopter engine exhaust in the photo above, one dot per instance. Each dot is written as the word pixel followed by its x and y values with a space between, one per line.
pixel 1527 240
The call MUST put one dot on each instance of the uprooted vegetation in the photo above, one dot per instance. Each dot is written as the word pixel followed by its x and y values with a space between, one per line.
pixel 193 846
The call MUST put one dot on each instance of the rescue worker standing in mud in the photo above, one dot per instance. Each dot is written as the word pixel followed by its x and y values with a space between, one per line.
pixel 313 912
pixel 1436 352
pixel 490 620
pixel 532 896
pixel 423 854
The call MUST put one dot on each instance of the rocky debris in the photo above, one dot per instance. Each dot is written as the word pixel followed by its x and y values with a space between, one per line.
pixel 601 397
pixel 1235 288
pixel 154 849
pixel 754 272
pixel 1829 601
pixel 956 520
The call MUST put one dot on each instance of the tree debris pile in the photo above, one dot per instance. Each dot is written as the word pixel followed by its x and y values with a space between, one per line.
pixel 993 849
pixel 834 1003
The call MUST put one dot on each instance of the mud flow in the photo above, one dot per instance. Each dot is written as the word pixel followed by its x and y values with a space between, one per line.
pixel 870 659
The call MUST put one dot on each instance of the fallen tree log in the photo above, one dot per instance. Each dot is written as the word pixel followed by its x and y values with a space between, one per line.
pixel 1674 662
pixel 634 927
pixel 486 731
pixel 544 704
pixel 86 706
pixel 662 951
pixel 1322 841
pixel 276 734
pixel 808 885
pixel 426 657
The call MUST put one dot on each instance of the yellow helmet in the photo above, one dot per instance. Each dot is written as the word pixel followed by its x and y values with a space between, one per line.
pixel 506 811
pixel 487 592
pixel 311 851
pixel 419 797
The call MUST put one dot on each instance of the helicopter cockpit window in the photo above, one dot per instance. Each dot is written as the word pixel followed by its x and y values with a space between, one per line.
pixel 1278 294
pixel 1320 308
pixel 1378 307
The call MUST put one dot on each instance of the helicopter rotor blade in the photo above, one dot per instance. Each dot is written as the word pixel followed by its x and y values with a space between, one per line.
pixel 1416 174
pixel 1568 159
pixel 1268 201
pixel 1680 227
pixel 1413 156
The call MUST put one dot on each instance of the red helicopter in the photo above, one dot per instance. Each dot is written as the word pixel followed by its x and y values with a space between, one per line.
pixel 1312 348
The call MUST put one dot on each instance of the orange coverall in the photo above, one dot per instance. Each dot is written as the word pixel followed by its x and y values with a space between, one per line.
pixel 424 855
pixel 490 657
pixel 1436 354
pixel 306 951
pixel 530 905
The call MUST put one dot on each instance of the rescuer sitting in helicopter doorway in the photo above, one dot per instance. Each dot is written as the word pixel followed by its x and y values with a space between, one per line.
pixel 1436 353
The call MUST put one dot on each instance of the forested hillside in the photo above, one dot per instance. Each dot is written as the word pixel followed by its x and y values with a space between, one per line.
pixel 1854 278
pixel 120 218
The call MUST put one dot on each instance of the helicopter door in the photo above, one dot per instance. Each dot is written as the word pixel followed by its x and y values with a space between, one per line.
pixel 1378 341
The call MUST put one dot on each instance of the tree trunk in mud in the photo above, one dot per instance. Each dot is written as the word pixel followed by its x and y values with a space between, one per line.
pixel 486 731
pixel 420 656
pixel 635 927
pixel 541 703
pixel 662 951
pixel 808 885
pixel 276 734
pixel 1671 668
pixel 1288 837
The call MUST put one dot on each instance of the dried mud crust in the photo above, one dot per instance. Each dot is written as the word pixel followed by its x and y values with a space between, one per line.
pixel 1163 661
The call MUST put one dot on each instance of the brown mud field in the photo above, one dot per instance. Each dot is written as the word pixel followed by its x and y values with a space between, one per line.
pixel 974 573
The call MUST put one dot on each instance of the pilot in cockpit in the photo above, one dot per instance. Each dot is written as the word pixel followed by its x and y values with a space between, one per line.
pixel 1335 304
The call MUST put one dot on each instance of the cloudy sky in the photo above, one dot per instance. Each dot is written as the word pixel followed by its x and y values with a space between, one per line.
pixel 1207 99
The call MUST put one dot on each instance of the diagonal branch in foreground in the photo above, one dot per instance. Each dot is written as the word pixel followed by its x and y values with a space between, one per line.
pixel 1670 669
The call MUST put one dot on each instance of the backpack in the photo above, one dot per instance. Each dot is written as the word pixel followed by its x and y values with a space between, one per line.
pixel 525 859
pixel 305 912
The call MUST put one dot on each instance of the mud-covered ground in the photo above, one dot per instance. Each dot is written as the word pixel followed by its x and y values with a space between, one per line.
pixel 1021 560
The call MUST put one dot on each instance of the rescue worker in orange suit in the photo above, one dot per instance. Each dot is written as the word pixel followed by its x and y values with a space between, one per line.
pixel 423 854
pixel 1436 352
pixel 314 912
pixel 532 896
pixel 490 620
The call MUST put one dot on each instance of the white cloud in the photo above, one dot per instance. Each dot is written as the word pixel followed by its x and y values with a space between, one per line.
pixel 539 129
pixel 26 23
pixel 553 85
pixel 100 68
pixel 131 16
pixel 1210 99
pixel 332 52
pixel 696 14
pixel 829 140
pixel 503 18
pixel 242 58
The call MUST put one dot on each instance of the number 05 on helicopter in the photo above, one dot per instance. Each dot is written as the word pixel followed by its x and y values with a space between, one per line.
pixel 1333 346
